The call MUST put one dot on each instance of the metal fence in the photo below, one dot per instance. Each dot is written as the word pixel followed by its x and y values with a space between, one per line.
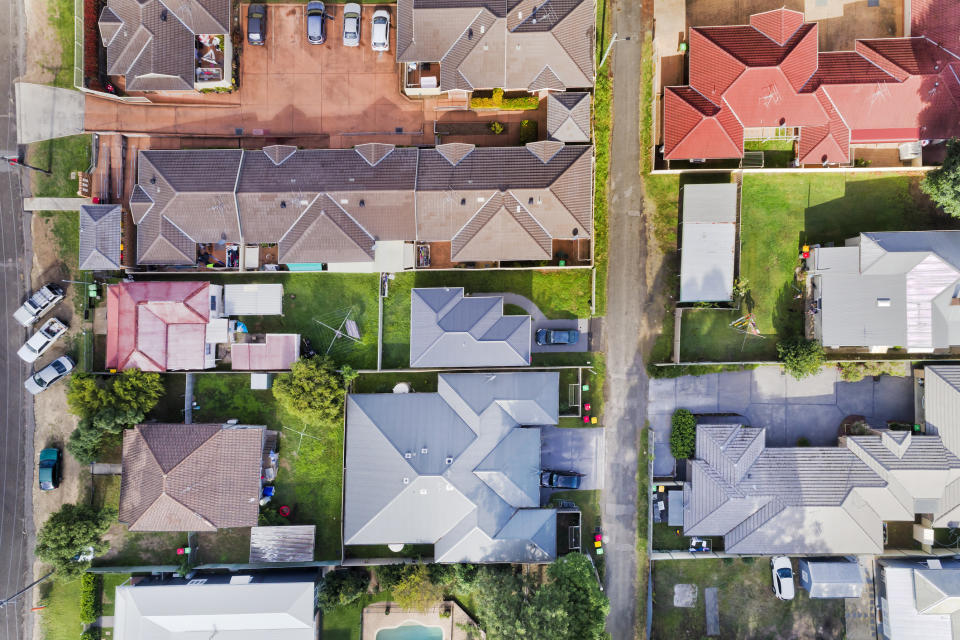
pixel 78 44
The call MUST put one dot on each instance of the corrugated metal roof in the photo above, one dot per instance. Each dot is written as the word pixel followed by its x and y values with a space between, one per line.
pixel 708 252
pixel 282 544
pixel 900 617
pixel 253 299
pixel 831 578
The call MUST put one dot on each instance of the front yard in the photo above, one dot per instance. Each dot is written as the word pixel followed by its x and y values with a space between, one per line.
pixel 748 608
pixel 779 214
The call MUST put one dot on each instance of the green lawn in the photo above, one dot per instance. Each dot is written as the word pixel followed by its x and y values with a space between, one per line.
pixel 309 297
pixel 61 156
pixel 776 153
pixel 384 382
pixel 60 620
pixel 558 294
pixel 748 608
pixel 343 623
pixel 780 213
pixel 60 16
pixel 110 583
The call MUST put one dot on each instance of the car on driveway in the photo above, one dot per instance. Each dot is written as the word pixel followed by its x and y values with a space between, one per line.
pixel 42 379
pixel 42 340
pixel 351 25
pixel 316 22
pixel 782 577
pixel 257 24
pixel 560 479
pixel 43 300
pixel 557 336
pixel 48 469
pixel 380 30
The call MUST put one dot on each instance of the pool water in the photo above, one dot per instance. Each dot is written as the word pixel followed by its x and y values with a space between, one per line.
pixel 411 631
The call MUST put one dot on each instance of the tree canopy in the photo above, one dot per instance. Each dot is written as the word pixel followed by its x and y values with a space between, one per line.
pixel 943 184
pixel 416 591
pixel 801 357
pixel 70 533
pixel 341 588
pixel 313 390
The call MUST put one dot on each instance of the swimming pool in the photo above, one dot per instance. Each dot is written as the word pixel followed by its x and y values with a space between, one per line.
pixel 410 631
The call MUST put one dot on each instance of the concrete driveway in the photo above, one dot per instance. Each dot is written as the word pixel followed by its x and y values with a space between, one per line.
pixel 540 321
pixel 789 409
pixel 577 449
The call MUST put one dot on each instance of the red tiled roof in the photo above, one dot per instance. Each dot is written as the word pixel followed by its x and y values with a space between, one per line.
pixel 913 56
pixel 157 326
pixel 751 47
pixel 825 143
pixel 712 70
pixel 715 134
pixel 938 20
pixel 778 24
pixel 764 98
pixel 801 62
pixel 844 67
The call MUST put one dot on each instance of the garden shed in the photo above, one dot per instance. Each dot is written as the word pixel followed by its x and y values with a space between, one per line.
pixel 831 578
pixel 708 252
pixel 251 299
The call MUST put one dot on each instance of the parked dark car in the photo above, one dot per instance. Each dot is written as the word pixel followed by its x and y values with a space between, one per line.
pixel 257 24
pixel 557 336
pixel 560 479
pixel 316 22
pixel 48 469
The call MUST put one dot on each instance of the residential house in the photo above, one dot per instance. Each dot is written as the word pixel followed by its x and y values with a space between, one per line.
pixel 246 606
pixel 709 248
pixel 885 290
pixel 919 598
pixel 768 79
pixel 100 237
pixel 164 326
pixel 450 330
pixel 193 477
pixel 457 469
pixel 816 500
pixel 168 45
pixel 526 45
pixel 361 209
pixel 569 116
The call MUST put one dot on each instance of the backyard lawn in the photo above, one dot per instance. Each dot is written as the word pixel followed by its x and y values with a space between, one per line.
pixel 60 620
pixel 558 294
pixel 739 582
pixel 779 214
pixel 343 623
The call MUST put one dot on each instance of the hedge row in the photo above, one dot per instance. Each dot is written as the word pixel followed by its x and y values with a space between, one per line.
pixel 90 586
pixel 497 101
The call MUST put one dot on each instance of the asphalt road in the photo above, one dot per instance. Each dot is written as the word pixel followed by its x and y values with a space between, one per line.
pixel 627 291
pixel 16 431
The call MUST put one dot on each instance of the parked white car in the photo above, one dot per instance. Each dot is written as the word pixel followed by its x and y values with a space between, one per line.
pixel 42 379
pixel 39 342
pixel 43 300
pixel 782 577
pixel 380 31
pixel 351 25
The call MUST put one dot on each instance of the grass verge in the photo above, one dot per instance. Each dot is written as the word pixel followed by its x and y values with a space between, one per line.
pixel 61 156
pixel 602 125
pixel 60 619
pixel 643 558
pixel 343 623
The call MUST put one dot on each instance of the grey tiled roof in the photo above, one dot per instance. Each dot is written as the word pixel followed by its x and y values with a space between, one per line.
pixel 814 499
pixel 453 468
pixel 506 203
pixel 151 42
pixel 568 116
pixel 449 330
pixel 100 226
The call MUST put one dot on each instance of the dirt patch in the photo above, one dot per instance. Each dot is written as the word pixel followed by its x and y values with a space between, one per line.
pixel 43 46
pixel 48 266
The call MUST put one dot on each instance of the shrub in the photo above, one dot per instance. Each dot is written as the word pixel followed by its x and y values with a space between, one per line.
pixel 856 371
pixel 388 575
pixel 313 390
pixel 496 127
pixel 342 587
pixel 528 131
pixel 749 559
pixel 415 590
pixel 943 183
pixel 683 434
pixel 496 101
pixel 93 633
pixel 800 357
pixel 91 584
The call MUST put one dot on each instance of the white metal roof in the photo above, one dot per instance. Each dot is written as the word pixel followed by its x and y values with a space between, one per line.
pixel 253 299
pixel 708 252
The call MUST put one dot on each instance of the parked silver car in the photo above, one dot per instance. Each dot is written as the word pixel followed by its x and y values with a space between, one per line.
pixel 42 340
pixel 380 31
pixel 316 22
pixel 42 379
pixel 351 25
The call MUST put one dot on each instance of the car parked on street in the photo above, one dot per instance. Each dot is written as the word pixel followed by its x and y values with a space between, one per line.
pixel 48 469
pixel 257 24
pixel 42 379
pixel 37 305
pixel 557 336
pixel 351 25
pixel 560 479
pixel 782 577
pixel 380 30
pixel 317 22
pixel 42 340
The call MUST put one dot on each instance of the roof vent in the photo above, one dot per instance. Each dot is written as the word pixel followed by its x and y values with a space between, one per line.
pixel 408 455
pixel 576 232
pixel 424 450
pixel 423 492
pixel 449 487
pixel 519 15
pixel 153 179
pixel 449 460
pixel 530 200
pixel 483 29
pixel 463 201
pixel 469 34
pixel 406 481
pixel 283 204
pixel 362 204
pixel 883 302
pixel 163 15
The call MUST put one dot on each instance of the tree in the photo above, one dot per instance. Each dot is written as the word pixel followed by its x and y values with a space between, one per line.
pixel 85 442
pixel 943 184
pixel 389 575
pixel 801 357
pixel 342 587
pixel 70 533
pixel 573 589
pixel 137 390
pixel 84 396
pixel 416 592
pixel 683 434
pixel 313 390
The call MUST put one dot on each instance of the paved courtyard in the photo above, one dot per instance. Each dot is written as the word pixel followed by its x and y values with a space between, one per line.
pixel 577 449
pixel 812 408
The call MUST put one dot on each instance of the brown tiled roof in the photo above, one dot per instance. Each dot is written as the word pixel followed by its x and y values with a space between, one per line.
pixel 190 477
pixel 151 42
pixel 568 116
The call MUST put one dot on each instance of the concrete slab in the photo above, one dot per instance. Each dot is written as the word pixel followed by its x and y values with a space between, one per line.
pixel 663 461
pixel 660 423
pixel 581 325
pixel 817 423
pixel 578 449
pixel 685 595
pixel 712 602
pixel 855 398
pixel 44 113
pixel 662 395
pixel 774 418
pixel 768 385
pixel 893 399
pixel 698 393
pixel 733 391
pixel 816 389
